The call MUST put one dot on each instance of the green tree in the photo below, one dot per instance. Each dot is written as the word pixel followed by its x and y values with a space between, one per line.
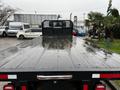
pixel 114 12
pixel 87 23
pixel 96 18
pixel 93 16
pixel 113 23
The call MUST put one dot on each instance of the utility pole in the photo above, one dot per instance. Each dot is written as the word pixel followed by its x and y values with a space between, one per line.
pixel 70 16
pixel 35 22
pixel 84 16
pixel 75 21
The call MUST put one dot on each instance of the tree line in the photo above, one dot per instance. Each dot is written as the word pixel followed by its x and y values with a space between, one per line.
pixel 5 13
pixel 110 21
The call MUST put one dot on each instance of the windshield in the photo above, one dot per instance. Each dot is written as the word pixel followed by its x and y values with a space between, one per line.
pixel 26 26
pixel 57 24
pixel 15 27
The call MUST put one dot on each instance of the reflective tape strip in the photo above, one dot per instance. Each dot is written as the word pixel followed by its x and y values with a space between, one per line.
pixel 95 75
pixel 12 76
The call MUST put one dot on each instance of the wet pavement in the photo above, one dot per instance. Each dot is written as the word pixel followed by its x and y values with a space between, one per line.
pixel 6 43
pixel 70 54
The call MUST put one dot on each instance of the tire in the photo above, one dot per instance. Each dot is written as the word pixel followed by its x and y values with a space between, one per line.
pixel 4 34
pixel 21 37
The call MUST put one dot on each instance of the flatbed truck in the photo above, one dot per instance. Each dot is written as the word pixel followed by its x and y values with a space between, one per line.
pixel 57 61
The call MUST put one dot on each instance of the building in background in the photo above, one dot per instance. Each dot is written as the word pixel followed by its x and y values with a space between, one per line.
pixel 78 23
pixel 34 20
pixel 75 21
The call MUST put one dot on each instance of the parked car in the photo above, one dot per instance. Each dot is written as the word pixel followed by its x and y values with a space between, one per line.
pixel 32 33
pixel 14 27
pixel 81 32
pixel 3 31
pixel 74 33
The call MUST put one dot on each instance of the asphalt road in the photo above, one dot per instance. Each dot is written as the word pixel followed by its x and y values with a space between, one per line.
pixel 8 42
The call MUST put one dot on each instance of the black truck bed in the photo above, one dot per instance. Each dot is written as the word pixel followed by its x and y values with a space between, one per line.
pixel 58 55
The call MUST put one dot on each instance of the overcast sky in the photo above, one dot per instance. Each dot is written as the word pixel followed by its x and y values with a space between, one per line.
pixel 63 7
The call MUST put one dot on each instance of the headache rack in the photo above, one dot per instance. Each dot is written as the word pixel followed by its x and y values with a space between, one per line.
pixel 57 27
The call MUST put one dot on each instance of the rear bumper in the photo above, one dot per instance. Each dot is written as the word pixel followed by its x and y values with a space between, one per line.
pixel 74 76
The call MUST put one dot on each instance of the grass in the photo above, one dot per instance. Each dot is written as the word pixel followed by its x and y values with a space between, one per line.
pixel 113 46
pixel 117 82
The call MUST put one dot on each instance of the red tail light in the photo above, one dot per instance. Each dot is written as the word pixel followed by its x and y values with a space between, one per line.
pixel 8 87
pixel 6 77
pixel 100 87
pixel 85 87
pixel 3 76
pixel 24 87
pixel 74 33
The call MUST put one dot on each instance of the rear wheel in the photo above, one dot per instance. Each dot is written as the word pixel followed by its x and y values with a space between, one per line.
pixel 21 37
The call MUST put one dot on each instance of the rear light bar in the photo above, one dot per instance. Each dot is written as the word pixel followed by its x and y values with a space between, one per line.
pixel 106 76
pixel 6 77
pixel 54 77
pixel 8 87
pixel 100 87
